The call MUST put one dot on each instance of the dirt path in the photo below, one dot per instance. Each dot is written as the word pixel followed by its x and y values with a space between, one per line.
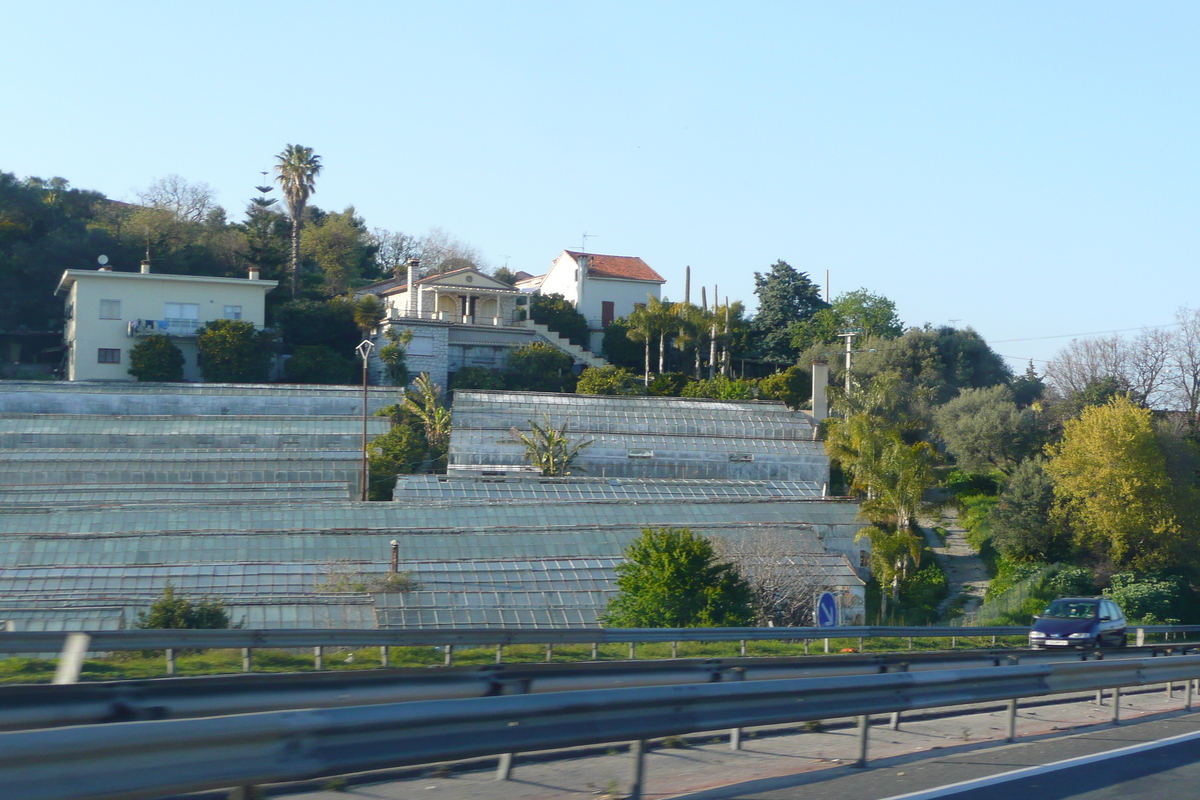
pixel 964 569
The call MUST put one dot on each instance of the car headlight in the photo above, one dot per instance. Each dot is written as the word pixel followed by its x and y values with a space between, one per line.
pixel 1080 636
pixel 1036 635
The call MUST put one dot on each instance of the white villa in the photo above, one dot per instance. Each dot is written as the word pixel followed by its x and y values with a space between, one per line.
pixel 601 287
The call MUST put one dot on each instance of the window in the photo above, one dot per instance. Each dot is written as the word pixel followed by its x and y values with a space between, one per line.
pixel 181 310
pixel 233 312
pixel 110 309
pixel 109 355
pixel 608 313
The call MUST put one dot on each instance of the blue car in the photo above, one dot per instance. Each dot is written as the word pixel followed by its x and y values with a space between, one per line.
pixel 1079 622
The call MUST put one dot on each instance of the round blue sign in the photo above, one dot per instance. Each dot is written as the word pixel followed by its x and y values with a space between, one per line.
pixel 827 611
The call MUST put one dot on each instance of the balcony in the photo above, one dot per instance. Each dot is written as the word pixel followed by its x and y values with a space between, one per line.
pixel 163 327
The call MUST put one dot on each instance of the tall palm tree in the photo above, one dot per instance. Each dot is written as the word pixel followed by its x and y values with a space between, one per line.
pixel 663 323
pixel 297 172
pixel 641 329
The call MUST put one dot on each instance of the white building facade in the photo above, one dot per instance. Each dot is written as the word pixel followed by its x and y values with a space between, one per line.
pixel 108 313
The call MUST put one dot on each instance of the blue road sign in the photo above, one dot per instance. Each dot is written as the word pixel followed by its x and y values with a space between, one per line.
pixel 827 611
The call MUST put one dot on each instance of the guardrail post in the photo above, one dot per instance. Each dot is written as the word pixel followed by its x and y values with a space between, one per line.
pixel 826 645
pixel 595 651
pixel 1116 715
pixel 860 644
pixel 674 649
pixel 1170 691
pixel 383 656
pixel 993 641
pixel 735 734
pixel 806 641
pixel 1012 720
pixel 638 750
pixel 449 654
pixel 743 647
pixel 549 652
pixel 499 653
pixel 631 651
pixel 1099 697
pixel 1188 696
pixel 1141 637
pixel 864 725
pixel 910 643
pixel 170 661
pixel 246 659
pixel 318 657
pixel 70 660
pixel 953 642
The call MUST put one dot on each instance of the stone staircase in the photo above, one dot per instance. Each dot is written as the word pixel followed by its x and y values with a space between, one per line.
pixel 573 350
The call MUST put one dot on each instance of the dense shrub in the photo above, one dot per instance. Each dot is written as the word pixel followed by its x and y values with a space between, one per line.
pixel 553 311
pixel 172 612
pixel 1148 599
pixel 720 388
pixel 232 351
pixel 477 378
pixel 156 359
pixel 539 367
pixel 320 364
pixel 669 384
pixel 608 380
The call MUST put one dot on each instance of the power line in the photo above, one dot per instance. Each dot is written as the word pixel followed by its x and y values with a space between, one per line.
pixel 1093 333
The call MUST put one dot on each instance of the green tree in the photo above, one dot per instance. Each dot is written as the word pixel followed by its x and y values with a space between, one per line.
pixel 1111 483
pixel 341 248
pixel 538 367
pixel 873 314
pixel 618 348
pixel 232 351
pixel 549 448
pixel 394 355
pixel 719 388
pixel 400 451
pixel 1023 528
pixel 296 171
pixel 172 612
pixel 309 323
pixel 319 364
pixel 424 402
pixel 641 329
pixel 156 359
pixel 1147 599
pixel 892 551
pixel 672 578
pixel 607 380
pixel 785 297
pixel 793 387
pixel 984 430
pixel 369 311
pixel 553 311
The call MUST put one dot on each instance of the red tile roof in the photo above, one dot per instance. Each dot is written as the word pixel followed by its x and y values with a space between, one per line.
pixel 628 268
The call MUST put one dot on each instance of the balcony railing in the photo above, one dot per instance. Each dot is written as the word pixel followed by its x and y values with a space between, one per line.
pixel 165 327
pixel 399 315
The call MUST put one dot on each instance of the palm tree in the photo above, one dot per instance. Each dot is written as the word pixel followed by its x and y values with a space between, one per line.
pixel 641 329
pixel 693 327
pixel 297 172
pixel 428 408
pixel 549 449
pixel 663 323
pixel 369 311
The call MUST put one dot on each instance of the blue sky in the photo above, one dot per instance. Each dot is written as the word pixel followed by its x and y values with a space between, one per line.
pixel 1028 169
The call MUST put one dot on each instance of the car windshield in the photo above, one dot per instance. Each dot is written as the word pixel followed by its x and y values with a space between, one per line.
pixel 1070 609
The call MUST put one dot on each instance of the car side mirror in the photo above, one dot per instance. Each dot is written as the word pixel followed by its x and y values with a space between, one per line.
pixel 1037 616
pixel 1106 618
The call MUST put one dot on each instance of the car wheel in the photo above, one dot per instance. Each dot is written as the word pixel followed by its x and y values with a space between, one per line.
pixel 1124 641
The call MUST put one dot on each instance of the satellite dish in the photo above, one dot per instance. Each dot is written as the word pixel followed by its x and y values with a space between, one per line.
pixel 103 260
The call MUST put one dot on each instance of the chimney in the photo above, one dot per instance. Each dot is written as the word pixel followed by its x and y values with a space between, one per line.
pixel 820 382
pixel 254 273
pixel 411 295
pixel 146 267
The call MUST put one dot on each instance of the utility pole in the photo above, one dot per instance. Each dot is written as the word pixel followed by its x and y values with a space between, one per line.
pixel 364 350
pixel 849 335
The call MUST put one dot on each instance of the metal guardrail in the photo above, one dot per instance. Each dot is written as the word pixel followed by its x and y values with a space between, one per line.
pixel 146 759
pixel 43 642
pixel 25 707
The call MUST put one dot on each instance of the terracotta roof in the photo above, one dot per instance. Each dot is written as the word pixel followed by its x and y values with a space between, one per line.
pixel 628 268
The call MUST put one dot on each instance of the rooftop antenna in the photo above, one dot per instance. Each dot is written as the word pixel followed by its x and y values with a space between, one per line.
pixel 586 236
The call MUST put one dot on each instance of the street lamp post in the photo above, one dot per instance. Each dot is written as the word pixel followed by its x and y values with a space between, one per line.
pixel 364 351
